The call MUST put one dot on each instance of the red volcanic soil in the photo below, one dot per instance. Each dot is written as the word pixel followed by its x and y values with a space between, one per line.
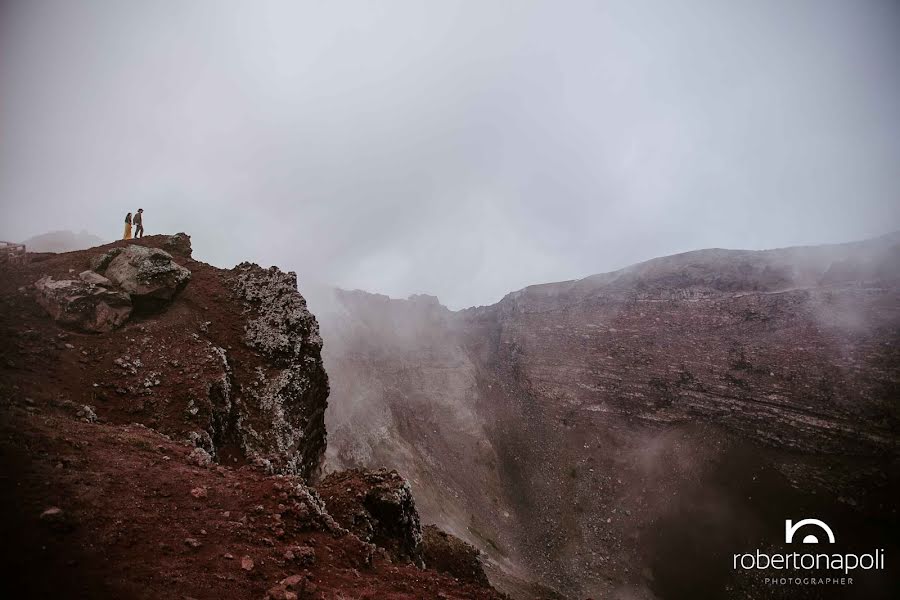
pixel 105 506
pixel 130 523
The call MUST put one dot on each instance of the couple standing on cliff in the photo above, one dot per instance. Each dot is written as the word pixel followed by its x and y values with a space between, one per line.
pixel 138 221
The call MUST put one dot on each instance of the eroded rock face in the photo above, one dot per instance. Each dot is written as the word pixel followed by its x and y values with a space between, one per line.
pixel 283 412
pixel 149 275
pixel 83 305
pixel 585 428
pixel 378 507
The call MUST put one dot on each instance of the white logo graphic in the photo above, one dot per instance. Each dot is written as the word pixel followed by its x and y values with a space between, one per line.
pixel 811 566
pixel 790 529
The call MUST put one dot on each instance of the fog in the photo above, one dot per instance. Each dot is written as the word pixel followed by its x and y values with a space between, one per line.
pixel 463 149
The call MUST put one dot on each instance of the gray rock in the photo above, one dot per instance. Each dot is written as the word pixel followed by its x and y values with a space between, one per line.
pixel 149 275
pixel 199 457
pixel 94 278
pixel 178 244
pixel 82 305
pixel 87 414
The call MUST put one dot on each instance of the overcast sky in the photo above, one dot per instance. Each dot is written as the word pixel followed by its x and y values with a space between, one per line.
pixel 463 149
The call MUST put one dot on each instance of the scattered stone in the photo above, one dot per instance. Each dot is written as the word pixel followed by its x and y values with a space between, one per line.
pixel 247 563
pixel 278 592
pixel 54 513
pixel 199 457
pixel 193 542
pixel 56 518
pixel 199 493
pixel 86 413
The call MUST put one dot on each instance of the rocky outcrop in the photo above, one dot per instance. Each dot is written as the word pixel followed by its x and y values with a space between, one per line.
pixel 83 305
pixel 449 554
pixel 149 275
pixel 236 370
pixel 182 445
pixel 290 388
pixel 178 244
pixel 378 507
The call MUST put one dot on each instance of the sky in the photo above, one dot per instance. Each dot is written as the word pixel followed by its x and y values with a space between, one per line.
pixel 461 149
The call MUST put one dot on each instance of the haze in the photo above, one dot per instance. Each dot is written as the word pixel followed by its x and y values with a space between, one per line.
pixel 463 149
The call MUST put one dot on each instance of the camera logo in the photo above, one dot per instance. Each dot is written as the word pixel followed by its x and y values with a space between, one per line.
pixel 790 529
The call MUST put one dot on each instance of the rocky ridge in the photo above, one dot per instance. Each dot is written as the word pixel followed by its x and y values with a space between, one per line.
pixel 203 409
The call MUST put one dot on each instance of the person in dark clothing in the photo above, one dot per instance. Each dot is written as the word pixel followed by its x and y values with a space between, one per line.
pixel 138 221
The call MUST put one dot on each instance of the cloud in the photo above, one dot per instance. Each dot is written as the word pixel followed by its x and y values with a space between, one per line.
pixel 464 149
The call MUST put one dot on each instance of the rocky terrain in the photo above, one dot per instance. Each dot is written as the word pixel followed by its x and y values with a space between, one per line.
pixel 622 435
pixel 162 436
pixel 163 430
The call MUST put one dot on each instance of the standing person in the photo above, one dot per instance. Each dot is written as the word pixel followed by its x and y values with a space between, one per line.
pixel 127 235
pixel 139 223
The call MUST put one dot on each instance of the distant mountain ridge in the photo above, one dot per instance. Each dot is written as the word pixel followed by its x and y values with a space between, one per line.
pixel 62 241
pixel 724 270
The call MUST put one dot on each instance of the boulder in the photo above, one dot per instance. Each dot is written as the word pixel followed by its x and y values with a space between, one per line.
pixel 378 507
pixel 82 305
pixel 149 275
pixel 449 554
pixel 178 244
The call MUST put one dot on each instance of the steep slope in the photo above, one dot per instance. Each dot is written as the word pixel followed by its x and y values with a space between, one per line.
pixel 607 436
pixel 161 429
